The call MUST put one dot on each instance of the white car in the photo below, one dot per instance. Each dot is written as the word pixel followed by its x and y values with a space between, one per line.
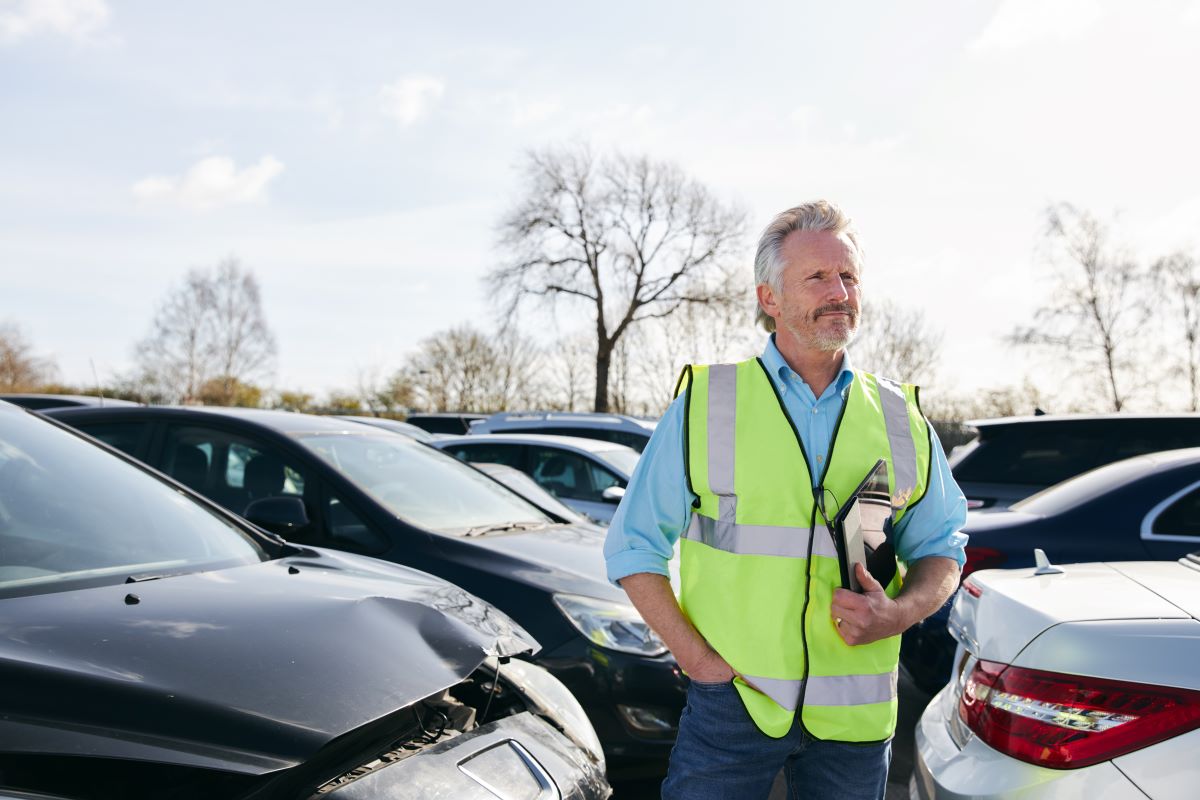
pixel 588 475
pixel 1074 681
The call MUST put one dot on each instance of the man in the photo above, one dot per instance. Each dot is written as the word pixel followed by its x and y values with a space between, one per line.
pixel 746 471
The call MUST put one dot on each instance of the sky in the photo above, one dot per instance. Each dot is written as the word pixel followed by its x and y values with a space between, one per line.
pixel 358 156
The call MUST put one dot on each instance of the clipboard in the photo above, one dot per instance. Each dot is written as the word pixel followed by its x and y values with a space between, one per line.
pixel 862 530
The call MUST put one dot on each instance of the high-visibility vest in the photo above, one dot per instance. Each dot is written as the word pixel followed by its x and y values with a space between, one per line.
pixel 758 565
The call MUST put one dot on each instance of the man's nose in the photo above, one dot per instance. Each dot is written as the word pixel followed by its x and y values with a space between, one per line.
pixel 837 290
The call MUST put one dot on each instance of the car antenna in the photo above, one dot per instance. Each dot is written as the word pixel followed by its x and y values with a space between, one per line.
pixel 1044 567
pixel 96 380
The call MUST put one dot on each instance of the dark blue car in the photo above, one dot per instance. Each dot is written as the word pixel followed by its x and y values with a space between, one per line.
pixel 1142 508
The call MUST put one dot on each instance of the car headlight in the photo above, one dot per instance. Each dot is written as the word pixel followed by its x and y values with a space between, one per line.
pixel 612 625
pixel 553 700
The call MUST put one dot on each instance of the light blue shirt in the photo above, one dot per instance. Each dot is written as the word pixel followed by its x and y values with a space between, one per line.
pixel 657 506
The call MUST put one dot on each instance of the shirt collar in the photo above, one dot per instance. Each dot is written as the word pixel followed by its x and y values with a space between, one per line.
pixel 779 370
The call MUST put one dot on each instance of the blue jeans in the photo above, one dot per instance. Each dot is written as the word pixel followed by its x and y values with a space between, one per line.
pixel 721 754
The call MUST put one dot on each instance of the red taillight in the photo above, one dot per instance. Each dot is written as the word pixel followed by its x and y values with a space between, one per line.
pixel 971 589
pixel 981 558
pixel 1069 721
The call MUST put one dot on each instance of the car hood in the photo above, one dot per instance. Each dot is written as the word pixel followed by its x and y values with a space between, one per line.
pixel 249 669
pixel 560 558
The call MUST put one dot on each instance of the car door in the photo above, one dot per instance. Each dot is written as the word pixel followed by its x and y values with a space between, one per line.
pixel 574 479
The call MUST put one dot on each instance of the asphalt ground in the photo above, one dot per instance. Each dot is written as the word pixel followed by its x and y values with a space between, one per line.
pixel 912 705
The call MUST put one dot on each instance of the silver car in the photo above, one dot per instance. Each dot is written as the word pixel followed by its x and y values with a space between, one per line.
pixel 1074 681
pixel 588 475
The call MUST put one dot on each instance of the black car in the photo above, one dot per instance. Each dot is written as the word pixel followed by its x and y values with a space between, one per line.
pixel 1013 457
pixel 153 645
pixel 1139 509
pixel 455 422
pixel 326 482
pixel 42 401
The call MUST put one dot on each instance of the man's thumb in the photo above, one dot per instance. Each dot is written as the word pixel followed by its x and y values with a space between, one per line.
pixel 866 580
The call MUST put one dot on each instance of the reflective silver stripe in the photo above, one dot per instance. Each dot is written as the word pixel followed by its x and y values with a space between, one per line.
pixel 785 693
pixel 759 540
pixel 722 430
pixel 899 433
pixel 850 690
pixel 829 690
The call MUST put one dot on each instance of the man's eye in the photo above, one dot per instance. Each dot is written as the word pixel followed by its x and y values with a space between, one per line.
pixel 849 277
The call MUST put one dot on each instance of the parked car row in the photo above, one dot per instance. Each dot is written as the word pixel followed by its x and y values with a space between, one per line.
pixel 153 644
pixel 337 484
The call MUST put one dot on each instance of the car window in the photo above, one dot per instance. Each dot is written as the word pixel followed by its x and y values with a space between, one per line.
pixel 122 435
pixel 1138 437
pixel 425 487
pixel 227 468
pixel 1040 454
pixel 73 514
pixel 1181 518
pixel 509 454
pixel 570 475
pixel 346 529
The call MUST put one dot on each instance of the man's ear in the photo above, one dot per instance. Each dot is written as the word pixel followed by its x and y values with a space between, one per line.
pixel 767 300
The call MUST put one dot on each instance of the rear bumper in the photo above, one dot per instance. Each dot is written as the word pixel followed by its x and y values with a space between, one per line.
pixel 942 771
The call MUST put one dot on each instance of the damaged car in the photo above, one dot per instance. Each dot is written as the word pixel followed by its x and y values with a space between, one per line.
pixel 153 645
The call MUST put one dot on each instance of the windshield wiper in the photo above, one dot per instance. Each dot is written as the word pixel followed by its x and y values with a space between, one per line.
pixel 498 527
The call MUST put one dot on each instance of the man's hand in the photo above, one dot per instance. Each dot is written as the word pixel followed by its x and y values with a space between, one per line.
pixel 872 615
pixel 709 668
pixel 655 601
pixel 867 617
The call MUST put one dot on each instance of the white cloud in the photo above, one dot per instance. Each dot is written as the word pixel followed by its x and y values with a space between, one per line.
pixel 409 99
pixel 210 183
pixel 81 20
pixel 1020 22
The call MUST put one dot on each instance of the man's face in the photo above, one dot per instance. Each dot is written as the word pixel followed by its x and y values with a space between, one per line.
pixel 817 301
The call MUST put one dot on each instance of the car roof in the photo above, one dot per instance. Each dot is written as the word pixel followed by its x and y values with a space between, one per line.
pixel 67 400
pixel 572 442
pixel 287 422
pixel 579 418
pixel 1042 419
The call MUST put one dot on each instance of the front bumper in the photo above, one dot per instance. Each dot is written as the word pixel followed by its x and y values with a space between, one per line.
pixel 633 702
pixel 519 757
pixel 943 771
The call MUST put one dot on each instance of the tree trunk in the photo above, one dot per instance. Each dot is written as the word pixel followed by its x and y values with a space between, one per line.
pixel 603 361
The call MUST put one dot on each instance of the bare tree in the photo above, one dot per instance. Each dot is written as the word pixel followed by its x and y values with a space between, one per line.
pixel 897 343
pixel 243 346
pixel 464 369
pixel 20 369
pixel 210 328
pixel 1179 271
pixel 1094 311
pixel 628 237
pixel 385 396
pixel 566 364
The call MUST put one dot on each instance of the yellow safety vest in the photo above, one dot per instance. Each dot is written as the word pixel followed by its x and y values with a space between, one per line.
pixel 757 564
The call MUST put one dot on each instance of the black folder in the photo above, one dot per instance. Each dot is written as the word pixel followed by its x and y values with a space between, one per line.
pixel 862 530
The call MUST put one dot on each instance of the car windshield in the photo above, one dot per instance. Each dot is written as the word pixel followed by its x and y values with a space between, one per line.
pixel 623 460
pixel 421 485
pixel 72 514
pixel 1076 491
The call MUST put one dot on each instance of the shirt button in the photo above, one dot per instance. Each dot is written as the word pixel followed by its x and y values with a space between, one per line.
pixel 814 410
pixel 820 458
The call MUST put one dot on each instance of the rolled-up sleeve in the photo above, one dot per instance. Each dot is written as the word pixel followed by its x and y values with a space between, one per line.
pixel 933 527
pixel 656 507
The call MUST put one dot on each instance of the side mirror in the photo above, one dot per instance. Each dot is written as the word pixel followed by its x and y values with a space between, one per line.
pixel 613 494
pixel 277 514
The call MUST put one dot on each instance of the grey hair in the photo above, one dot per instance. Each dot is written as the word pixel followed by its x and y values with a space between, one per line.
pixel 818 215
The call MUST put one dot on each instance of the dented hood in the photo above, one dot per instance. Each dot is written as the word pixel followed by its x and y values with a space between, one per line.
pixel 249 669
